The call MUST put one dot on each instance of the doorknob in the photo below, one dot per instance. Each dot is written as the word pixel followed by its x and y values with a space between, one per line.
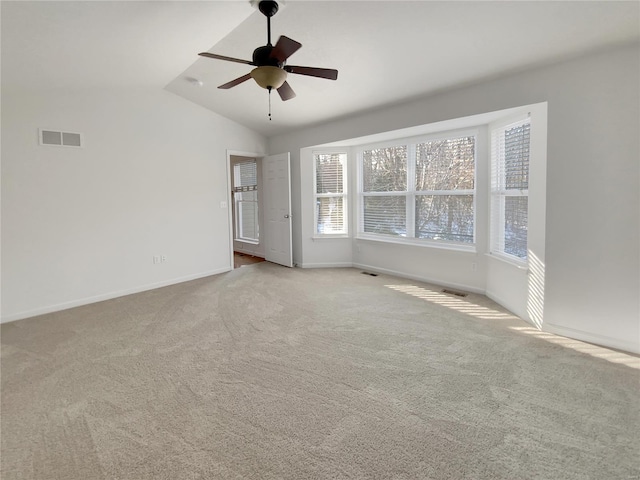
pixel 287 215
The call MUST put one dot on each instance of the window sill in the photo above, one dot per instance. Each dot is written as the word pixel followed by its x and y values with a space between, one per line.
pixel 420 243
pixel 244 240
pixel 329 236
pixel 520 265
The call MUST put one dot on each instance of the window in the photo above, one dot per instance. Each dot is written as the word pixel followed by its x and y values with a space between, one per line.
pixel 510 189
pixel 330 193
pixel 421 190
pixel 245 195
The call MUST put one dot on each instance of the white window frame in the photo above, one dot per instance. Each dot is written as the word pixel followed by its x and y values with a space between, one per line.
pixel 410 193
pixel 344 194
pixel 498 193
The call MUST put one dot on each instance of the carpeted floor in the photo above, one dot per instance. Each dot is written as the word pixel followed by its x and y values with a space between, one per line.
pixel 274 373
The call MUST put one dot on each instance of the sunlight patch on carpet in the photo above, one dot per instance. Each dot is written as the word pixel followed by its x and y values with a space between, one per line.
pixel 479 311
pixel 612 356
pixel 454 303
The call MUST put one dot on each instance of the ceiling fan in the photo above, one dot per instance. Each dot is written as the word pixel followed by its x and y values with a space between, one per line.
pixel 271 61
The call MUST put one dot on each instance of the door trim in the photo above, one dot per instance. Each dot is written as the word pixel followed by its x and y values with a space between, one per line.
pixel 235 153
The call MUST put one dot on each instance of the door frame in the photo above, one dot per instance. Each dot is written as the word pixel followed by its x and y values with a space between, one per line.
pixel 235 153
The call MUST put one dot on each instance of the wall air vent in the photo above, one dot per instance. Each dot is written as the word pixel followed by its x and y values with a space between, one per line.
pixel 60 139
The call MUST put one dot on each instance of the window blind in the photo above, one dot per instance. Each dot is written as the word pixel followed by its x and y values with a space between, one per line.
pixel 385 215
pixel 245 179
pixel 245 176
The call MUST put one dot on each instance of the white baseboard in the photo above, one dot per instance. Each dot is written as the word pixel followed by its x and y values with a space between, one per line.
pixel 325 265
pixel 508 306
pixel 108 296
pixel 434 281
pixel 603 340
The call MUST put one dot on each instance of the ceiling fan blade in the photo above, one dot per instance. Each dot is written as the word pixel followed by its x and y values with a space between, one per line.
pixel 286 92
pixel 222 57
pixel 237 81
pixel 328 73
pixel 285 47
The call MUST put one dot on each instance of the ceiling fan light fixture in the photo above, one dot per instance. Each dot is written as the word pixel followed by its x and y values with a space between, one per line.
pixel 269 77
pixel 271 61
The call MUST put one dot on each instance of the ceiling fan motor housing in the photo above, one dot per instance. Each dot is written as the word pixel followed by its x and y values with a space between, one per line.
pixel 262 57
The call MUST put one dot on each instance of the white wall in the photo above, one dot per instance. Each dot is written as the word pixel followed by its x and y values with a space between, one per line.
pixel 592 256
pixel 80 225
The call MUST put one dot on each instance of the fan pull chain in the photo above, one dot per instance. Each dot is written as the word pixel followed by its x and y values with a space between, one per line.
pixel 269 88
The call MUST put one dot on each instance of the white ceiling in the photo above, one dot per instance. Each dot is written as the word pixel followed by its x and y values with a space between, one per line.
pixel 108 44
pixel 386 52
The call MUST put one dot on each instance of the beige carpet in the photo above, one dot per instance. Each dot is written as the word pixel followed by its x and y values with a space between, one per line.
pixel 275 373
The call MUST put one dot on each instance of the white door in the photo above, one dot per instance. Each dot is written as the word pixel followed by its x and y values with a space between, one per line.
pixel 276 178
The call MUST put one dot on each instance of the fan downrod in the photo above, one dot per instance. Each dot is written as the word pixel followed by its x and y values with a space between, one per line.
pixel 268 8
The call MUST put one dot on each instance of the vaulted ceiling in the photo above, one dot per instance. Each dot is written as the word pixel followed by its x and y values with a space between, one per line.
pixel 386 52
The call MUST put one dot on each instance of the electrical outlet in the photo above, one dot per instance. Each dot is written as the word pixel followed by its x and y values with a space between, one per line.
pixel 163 258
pixel 223 204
